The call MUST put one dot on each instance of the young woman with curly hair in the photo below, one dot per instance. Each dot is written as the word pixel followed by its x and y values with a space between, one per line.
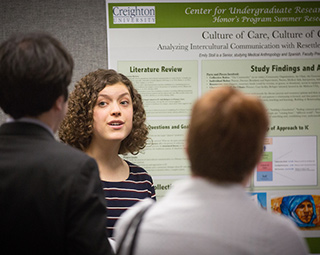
pixel 106 118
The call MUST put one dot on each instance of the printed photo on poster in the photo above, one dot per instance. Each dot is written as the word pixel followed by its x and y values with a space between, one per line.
pixel 304 210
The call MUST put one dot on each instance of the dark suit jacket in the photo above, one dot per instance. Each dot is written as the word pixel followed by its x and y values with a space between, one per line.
pixel 51 200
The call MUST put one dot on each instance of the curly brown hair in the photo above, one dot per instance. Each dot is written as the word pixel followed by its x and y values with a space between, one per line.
pixel 77 127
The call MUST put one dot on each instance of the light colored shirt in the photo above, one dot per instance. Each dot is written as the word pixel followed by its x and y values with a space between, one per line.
pixel 199 217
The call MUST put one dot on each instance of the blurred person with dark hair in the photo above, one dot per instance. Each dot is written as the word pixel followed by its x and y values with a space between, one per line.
pixel 50 194
pixel 210 212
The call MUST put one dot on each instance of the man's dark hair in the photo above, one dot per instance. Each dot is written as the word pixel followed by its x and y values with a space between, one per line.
pixel 35 69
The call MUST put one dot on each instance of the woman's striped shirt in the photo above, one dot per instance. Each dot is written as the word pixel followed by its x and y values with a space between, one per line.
pixel 122 195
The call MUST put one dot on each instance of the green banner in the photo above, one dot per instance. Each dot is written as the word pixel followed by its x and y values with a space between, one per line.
pixel 314 245
pixel 226 14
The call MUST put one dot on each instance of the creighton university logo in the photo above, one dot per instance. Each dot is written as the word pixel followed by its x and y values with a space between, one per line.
pixel 134 15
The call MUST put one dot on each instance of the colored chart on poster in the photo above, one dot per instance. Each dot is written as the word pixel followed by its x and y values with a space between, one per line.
pixel 288 161
pixel 264 168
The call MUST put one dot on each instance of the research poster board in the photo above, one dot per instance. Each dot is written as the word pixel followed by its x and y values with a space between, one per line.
pixel 174 51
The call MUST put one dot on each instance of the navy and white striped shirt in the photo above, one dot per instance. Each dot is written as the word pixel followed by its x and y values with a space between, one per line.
pixel 122 195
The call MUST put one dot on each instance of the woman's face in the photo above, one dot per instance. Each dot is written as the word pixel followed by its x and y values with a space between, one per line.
pixel 113 113
pixel 305 211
